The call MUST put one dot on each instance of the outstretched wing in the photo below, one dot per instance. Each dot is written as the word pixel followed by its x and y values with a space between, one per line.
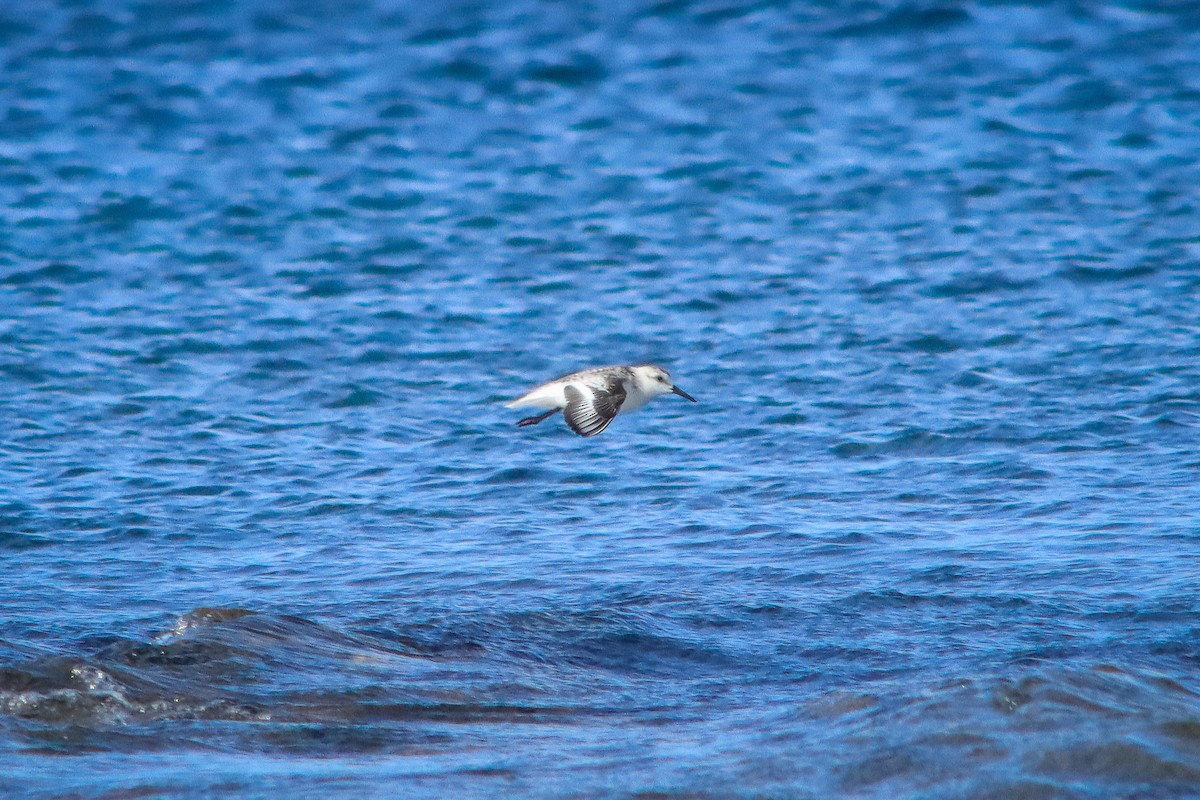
pixel 589 410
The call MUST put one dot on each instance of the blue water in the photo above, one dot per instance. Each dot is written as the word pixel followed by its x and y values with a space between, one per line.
pixel 269 271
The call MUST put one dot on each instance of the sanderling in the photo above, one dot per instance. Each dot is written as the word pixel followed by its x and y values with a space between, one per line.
pixel 592 398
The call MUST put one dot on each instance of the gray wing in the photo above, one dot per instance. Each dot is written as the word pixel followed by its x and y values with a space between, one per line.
pixel 588 413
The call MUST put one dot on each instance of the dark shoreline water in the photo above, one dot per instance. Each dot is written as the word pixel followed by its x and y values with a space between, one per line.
pixel 268 272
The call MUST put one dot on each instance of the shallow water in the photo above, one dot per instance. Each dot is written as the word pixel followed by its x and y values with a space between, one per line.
pixel 269 270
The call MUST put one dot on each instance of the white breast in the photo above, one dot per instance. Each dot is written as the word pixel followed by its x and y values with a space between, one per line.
pixel 633 397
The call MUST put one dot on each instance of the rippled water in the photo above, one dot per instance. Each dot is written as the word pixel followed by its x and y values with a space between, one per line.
pixel 268 271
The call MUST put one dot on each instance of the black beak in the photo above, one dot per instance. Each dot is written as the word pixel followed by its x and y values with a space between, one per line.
pixel 682 393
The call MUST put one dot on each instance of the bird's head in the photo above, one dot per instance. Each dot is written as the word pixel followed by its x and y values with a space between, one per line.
pixel 654 381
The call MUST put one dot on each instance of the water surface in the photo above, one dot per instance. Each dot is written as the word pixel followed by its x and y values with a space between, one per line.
pixel 268 271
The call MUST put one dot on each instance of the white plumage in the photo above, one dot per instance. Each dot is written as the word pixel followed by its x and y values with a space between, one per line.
pixel 590 399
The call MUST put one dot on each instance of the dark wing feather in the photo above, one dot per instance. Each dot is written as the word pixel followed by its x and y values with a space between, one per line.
pixel 588 413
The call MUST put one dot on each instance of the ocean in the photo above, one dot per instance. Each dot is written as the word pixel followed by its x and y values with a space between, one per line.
pixel 269 271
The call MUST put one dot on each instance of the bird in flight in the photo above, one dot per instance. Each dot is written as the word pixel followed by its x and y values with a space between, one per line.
pixel 590 399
